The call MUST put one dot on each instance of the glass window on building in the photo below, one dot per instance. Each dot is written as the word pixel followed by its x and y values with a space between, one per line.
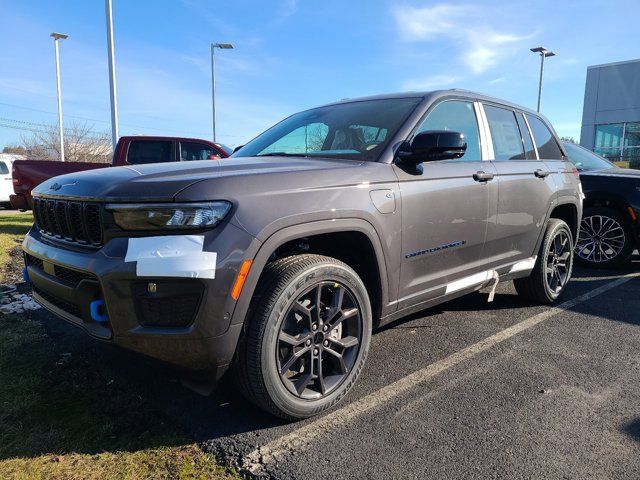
pixel 619 142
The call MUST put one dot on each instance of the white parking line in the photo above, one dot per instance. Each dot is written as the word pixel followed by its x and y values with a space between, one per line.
pixel 302 437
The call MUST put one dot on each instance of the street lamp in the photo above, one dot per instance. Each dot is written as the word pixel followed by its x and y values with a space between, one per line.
pixel 544 53
pixel 56 37
pixel 112 76
pixel 222 46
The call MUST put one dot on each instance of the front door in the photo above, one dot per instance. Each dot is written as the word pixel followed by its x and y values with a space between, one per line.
pixel 446 206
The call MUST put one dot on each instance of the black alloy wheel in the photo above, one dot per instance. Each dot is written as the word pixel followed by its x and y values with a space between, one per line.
pixel 553 267
pixel 319 340
pixel 307 336
pixel 557 269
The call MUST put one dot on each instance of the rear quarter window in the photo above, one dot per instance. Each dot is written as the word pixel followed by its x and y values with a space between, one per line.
pixel 149 151
pixel 4 170
pixel 548 148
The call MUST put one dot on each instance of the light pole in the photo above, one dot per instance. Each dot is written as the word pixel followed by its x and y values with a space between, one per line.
pixel 544 53
pixel 112 76
pixel 222 46
pixel 56 37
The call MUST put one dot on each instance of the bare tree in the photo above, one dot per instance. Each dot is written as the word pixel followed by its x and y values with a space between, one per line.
pixel 81 144
pixel 15 149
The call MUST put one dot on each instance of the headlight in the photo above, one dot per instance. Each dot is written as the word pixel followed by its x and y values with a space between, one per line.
pixel 169 216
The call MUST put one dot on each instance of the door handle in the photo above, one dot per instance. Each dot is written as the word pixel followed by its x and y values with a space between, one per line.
pixel 541 173
pixel 482 176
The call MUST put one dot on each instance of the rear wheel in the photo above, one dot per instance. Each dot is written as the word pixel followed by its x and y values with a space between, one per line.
pixel 605 238
pixel 308 336
pixel 553 267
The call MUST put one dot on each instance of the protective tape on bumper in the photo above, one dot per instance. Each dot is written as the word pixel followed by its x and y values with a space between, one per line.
pixel 171 256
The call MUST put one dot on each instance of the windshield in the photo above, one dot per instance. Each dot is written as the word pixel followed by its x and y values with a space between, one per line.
pixel 224 148
pixel 353 130
pixel 584 159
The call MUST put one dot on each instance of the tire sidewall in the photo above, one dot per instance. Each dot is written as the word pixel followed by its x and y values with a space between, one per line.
pixel 277 391
pixel 552 231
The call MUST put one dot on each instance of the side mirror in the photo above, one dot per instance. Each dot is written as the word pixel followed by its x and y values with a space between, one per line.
pixel 237 148
pixel 434 145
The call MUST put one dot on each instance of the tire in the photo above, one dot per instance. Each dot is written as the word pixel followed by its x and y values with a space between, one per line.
pixel 280 311
pixel 543 285
pixel 605 239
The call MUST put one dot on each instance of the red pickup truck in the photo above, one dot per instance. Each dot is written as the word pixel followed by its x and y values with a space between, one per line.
pixel 27 174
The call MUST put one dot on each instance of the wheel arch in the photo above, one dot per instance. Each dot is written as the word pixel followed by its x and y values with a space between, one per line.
pixel 567 212
pixel 335 238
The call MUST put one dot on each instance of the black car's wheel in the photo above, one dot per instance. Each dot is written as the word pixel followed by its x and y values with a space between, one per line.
pixel 553 267
pixel 605 238
pixel 307 338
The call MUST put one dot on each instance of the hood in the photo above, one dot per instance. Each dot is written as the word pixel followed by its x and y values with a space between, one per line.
pixel 163 181
pixel 613 172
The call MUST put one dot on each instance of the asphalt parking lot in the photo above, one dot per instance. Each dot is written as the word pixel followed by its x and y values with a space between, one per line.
pixel 468 389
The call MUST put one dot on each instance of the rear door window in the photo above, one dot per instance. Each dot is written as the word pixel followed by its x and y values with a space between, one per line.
pixel 197 151
pixel 505 134
pixel 150 151
pixel 4 170
pixel 548 148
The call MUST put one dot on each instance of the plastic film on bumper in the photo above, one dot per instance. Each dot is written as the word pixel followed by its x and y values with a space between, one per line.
pixel 171 256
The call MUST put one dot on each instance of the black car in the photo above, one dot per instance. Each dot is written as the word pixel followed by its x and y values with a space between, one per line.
pixel 609 231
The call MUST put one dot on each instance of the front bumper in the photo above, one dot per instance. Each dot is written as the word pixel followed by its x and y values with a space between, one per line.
pixel 182 321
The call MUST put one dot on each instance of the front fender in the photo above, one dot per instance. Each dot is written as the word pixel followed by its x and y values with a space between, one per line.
pixel 260 251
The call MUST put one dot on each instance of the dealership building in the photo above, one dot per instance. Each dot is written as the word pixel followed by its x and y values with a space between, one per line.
pixel 611 113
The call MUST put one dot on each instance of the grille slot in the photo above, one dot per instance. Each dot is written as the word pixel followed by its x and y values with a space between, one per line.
pixel 174 311
pixel 34 261
pixel 70 308
pixel 78 222
pixel 73 277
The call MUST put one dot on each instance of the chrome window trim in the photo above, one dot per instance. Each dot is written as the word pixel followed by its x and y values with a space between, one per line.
pixel 487 132
pixel 533 140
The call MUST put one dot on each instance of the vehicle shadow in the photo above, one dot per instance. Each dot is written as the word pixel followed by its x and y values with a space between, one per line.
pixel 65 392
pixel 15 224
pixel 633 429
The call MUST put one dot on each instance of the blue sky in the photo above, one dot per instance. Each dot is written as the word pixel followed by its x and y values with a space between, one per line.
pixel 295 54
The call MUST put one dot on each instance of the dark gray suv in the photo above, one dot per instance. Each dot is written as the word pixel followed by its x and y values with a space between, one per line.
pixel 280 260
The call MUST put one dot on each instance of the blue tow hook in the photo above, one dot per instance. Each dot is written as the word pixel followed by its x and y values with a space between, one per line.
pixel 25 275
pixel 98 311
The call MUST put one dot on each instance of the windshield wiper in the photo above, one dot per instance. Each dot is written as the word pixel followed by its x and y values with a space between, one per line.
pixel 281 154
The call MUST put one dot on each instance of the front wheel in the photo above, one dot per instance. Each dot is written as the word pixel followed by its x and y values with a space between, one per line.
pixel 553 267
pixel 307 338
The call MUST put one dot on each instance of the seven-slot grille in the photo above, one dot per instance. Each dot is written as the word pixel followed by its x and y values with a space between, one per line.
pixel 78 222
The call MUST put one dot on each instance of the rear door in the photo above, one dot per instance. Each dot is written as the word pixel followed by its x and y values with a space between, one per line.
pixel 525 187
pixel 445 209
